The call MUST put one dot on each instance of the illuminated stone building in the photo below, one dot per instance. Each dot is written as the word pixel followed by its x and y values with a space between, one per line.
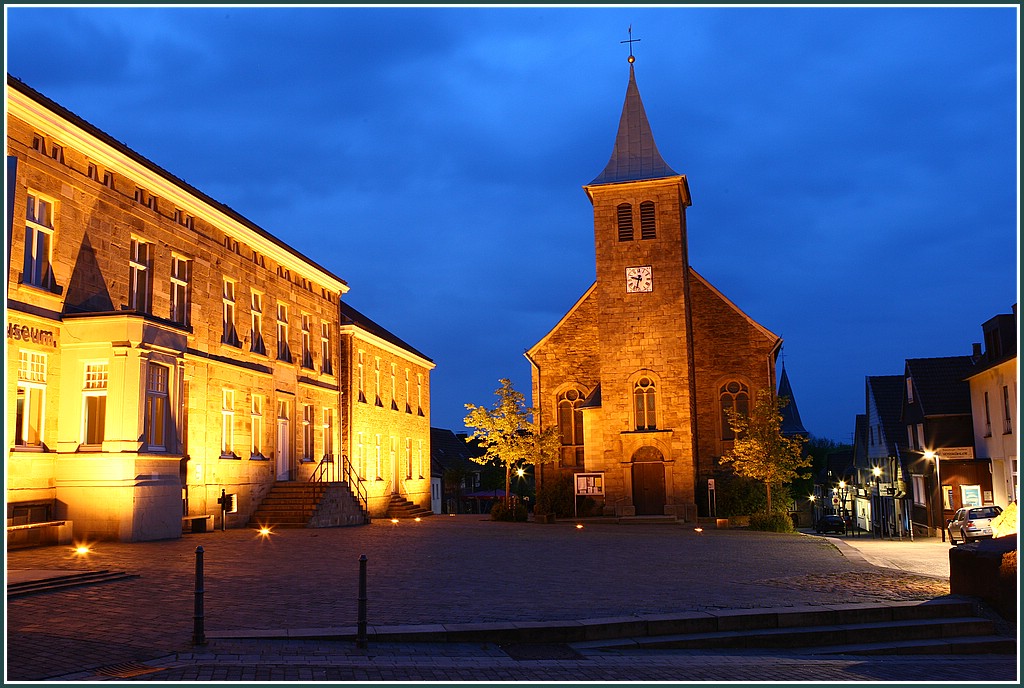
pixel 388 408
pixel 161 348
pixel 639 372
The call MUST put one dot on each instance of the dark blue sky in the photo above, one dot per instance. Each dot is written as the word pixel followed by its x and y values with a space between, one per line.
pixel 854 171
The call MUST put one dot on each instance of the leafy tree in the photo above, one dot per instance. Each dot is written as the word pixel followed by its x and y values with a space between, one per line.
pixel 509 436
pixel 760 450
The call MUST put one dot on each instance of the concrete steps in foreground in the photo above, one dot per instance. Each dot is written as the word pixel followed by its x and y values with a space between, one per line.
pixel 65 581
pixel 940 626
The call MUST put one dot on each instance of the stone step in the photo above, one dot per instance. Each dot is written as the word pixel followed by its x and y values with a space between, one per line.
pixel 62 582
pixel 809 636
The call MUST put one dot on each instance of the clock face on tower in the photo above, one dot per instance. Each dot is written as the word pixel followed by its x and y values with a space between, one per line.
pixel 639 279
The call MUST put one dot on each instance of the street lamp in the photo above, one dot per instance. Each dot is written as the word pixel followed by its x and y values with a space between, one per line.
pixel 877 517
pixel 929 455
pixel 842 501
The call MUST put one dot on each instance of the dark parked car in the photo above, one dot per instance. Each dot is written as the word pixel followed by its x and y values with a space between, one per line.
pixel 831 524
pixel 972 523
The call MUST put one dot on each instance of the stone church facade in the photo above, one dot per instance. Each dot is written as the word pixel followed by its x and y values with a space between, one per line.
pixel 638 374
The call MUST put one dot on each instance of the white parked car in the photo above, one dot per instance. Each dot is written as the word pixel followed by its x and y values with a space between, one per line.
pixel 971 523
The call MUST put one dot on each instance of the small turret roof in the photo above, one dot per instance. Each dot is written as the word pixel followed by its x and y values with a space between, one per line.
pixel 791 423
pixel 635 155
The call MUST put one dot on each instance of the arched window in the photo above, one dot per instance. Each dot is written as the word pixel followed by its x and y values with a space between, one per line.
pixel 733 396
pixel 647 226
pixel 570 426
pixel 644 404
pixel 625 217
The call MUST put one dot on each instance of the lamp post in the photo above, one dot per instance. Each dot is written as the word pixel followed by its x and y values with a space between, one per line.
pixel 929 454
pixel 877 516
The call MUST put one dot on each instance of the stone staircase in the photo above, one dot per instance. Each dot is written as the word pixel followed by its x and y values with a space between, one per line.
pixel 64 581
pixel 304 505
pixel 940 626
pixel 401 508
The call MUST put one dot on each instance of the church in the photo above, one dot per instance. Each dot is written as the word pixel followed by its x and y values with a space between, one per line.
pixel 640 372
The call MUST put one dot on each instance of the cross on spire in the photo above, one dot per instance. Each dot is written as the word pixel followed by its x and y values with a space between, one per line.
pixel 631 41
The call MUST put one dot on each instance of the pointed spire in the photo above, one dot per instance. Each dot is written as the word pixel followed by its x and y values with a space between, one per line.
pixel 791 423
pixel 635 155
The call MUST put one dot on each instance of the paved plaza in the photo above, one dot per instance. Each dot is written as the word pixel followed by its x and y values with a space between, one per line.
pixel 461 569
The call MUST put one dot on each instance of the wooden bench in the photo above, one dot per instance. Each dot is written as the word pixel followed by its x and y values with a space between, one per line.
pixel 197 524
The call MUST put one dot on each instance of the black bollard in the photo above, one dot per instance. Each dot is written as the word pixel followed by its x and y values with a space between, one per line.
pixel 361 623
pixel 198 634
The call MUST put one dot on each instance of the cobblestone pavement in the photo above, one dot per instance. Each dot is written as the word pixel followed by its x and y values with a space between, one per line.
pixel 462 569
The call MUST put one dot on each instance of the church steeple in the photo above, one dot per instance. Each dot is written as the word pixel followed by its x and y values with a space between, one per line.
pixel 635 156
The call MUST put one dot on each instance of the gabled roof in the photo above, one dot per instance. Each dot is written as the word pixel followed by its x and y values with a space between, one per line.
pixel 350 316
pixel 885 393
pixel 768 334
pixel 940 385
pixel 19 87
pixel 791 423
pixel 635 155
pixel 448 451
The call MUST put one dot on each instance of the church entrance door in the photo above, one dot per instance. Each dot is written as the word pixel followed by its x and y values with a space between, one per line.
pixel 649 489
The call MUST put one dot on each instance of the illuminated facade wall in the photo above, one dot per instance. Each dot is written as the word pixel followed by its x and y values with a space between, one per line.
pixel 160 347
pixel 388 408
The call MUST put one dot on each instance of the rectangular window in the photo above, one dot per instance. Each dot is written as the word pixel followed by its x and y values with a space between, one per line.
pixel 94 403
pixel 307 431
pixel 256 310
pixel 419 458
pixel 157 407
pixel 920 495
pixel 227 423
pixel 1007 422
pixel 360 457
pixel 28 431
pixel 408 406
pixel 39 228
pixel 393 457
pixel 419 393
pixel 361 377
pixel 256 415
pixel 394 389
pixel 328 428
pixel 377 458
pixel 325 348
pixel 307 353
pixel 376 380
pixel 229 333
pixel 408 458
pixel 181 275
pixel 920 436
pixel 988 418
pixel 283 352
pixel 108 179
pixel 910 390
pixel 139 276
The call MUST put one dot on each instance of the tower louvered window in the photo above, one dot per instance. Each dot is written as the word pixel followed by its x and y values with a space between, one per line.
pixel 625 216
pixel 647 228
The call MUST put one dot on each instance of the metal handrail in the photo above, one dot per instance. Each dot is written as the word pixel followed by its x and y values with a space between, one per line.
pixel 355 486
pixel 325 471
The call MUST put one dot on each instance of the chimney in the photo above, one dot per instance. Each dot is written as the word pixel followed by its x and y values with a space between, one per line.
pixel 976 353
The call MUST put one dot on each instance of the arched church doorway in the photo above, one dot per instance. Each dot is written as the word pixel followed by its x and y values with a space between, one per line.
pixel 648 482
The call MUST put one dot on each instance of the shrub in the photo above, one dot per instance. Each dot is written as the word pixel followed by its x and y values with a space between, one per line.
pixel 512 509
pixel 555 496
pixel 774 521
